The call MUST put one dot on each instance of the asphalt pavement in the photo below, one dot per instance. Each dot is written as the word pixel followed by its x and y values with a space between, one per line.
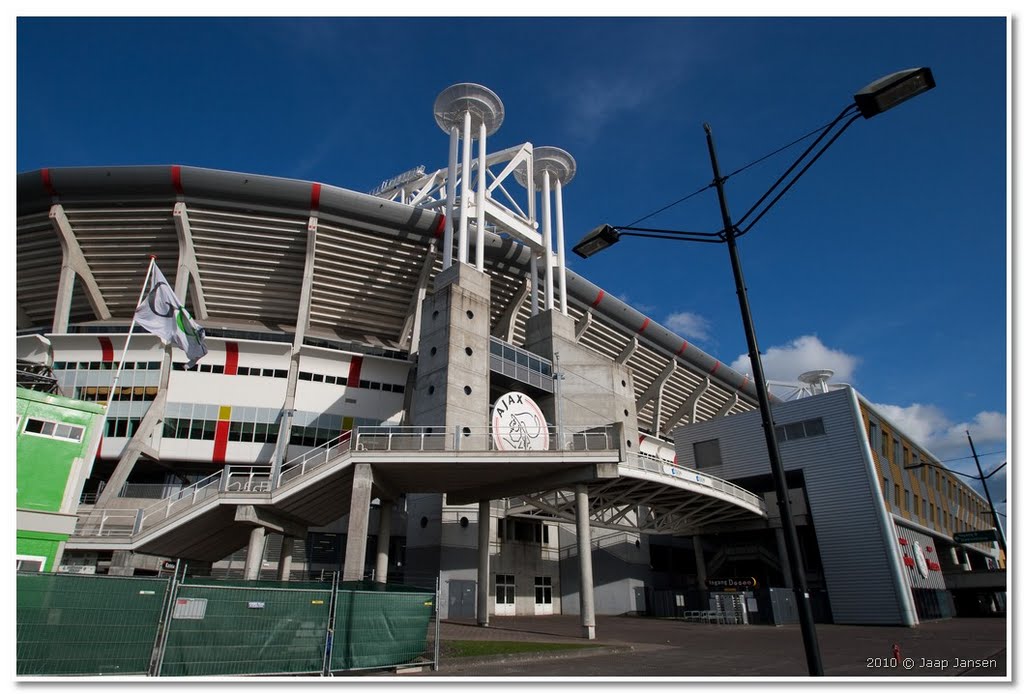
pixel 642 647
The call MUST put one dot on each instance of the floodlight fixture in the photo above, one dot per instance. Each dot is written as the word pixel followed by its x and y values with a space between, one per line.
pixel 892 90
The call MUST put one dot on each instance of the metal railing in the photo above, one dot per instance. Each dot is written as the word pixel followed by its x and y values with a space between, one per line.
pixel 507 439
pixel 314 459
pixel 666 468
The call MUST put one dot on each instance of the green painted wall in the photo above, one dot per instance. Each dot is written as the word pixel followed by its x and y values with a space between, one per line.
pixel 45 464
pixel 35 544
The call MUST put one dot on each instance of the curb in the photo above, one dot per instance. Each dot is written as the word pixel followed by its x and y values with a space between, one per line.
pixel 533 656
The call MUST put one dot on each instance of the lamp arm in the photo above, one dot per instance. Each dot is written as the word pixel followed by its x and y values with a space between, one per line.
pixel 797 177
pixel 676 236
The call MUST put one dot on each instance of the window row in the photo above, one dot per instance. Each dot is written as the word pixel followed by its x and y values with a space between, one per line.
pixel 800 430
pixel 241 370
pixel 206 430
pixel 522 530
pixel 54 430
pixel 126 394
pixel 343 381
pixel 105 366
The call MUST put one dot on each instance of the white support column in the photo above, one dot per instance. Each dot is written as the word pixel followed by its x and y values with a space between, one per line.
pixel 561 249
pixel 586 566
pixel 73 263
pixel 284 561
pixel 534 279
pixel 449 221
pixel 483 564
pixel 467 153
pixel 254 557
pixel 188 266
pixel 481 196
pixel 545 206
pixel 380 572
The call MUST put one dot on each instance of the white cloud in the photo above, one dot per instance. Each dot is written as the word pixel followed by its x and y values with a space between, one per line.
pixel 689 325
pixel 805 353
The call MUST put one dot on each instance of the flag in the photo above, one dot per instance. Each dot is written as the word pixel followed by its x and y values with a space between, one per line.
pixel 162 314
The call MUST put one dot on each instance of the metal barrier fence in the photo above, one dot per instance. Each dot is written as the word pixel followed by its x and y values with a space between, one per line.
pixel 71 624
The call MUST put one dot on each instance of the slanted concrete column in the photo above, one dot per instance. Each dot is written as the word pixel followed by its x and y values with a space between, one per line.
pixel 586 567
pixel 358 523
pixel 702 569
pixel 380 574
pixel 787 572
pixel 121 563
pixel 483 563
pixel 284 561
pixel 254 557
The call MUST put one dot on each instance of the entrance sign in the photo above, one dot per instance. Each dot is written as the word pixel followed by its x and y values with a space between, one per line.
pixel 922 563
pixel 735 583
pixel 975 536
pixel 517 424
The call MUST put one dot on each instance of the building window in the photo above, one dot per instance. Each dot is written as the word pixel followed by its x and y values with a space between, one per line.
pixel 24 562
pixel 542 589
pixel 800 430
pixel 906 499
pixel 706 454
pixel 873 435
pixel 885 445
pixel 504 589
pixel 53 430
pixel 885 488
pixel 898 497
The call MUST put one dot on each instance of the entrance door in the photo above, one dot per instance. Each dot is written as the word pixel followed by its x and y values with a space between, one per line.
pixel 504 594
pixel 461 599
pixel 542 595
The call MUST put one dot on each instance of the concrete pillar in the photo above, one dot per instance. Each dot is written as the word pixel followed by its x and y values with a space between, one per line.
pixel 586 567
pixel 380 573
pixel 787 572
pixel 483 564
pixel 358 523
pixel 254 557
pixel 284 561
pixel 121 563
pixel 702 570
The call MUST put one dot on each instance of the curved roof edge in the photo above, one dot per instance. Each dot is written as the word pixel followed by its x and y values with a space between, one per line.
pixel 38 190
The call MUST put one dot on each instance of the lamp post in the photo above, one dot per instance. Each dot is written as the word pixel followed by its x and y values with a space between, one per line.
pixel 980 476
pixel 877 97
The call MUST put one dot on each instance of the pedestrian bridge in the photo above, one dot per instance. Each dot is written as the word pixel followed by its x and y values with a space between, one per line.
pixel 214 517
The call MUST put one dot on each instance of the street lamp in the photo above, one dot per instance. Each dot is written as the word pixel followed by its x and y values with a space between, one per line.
pixel 877 97
pixel 980 476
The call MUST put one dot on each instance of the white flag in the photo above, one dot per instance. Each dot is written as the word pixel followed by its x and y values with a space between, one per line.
pixel 162 314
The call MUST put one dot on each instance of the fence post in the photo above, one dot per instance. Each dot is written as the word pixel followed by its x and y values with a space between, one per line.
pixel 139 514
pixel 160 647
pixel 437 624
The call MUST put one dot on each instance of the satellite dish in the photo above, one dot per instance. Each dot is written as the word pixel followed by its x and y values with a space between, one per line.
pixel 483 106
pixel 557 162
pixel 817 377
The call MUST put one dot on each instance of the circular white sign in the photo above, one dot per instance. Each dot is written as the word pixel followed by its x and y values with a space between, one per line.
pixel 517 424
pixel 922 563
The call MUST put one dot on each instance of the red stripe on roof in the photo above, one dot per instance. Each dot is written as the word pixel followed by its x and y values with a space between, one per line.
pixel 647 321
pixel 744 384
pixel 354 368
pixel 439 231
pixel 642 437
pixel 176 179
pixel 600 295
pixel 108 348
pixel 683 348
pixel 231 359
pixel 220 441
pixel 45 173
pixel 314 197
pixel 715 368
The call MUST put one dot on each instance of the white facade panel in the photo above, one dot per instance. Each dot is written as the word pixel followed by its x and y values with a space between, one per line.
pixel 842 496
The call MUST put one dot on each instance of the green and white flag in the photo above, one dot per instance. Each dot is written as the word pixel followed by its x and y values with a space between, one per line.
pixel 162 314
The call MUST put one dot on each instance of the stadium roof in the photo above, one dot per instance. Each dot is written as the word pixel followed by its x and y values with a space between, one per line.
pixel 244 239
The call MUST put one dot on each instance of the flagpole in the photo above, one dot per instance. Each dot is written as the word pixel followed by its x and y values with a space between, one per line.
pixel 124 352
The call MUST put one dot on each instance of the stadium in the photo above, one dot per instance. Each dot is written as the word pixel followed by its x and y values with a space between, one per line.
pixel 409 385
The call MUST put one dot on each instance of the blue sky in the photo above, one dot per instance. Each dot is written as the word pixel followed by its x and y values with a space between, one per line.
pixel 886 263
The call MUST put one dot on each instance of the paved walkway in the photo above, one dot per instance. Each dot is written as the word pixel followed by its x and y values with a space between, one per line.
pixel 639 647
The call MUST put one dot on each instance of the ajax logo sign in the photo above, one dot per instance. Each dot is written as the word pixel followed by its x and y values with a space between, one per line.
pixel 517 424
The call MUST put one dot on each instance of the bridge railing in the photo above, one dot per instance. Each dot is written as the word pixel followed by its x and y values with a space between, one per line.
pixel 663 467
pixel 508 439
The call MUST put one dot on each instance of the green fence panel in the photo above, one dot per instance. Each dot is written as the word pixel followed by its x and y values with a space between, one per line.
pixel 247 628
pixel 379 628
pixel 87 625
